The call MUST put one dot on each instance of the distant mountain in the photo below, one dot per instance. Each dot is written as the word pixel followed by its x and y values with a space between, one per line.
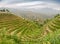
pixel 26 14
pixel 43 13
pixel 47 11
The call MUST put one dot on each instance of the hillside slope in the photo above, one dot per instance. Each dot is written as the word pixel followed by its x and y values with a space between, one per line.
pixel 17 30
pixel 51 31
pixel 53 24
pixel 22 28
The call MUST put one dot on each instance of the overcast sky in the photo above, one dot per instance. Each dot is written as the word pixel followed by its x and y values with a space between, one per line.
pixel 34 4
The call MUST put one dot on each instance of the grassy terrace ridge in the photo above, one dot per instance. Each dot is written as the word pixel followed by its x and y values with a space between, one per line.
pixel 51 32
pixel 55 23
pixel 17 30
pixel 53 28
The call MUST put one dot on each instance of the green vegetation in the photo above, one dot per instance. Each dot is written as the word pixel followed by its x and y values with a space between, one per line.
pixel 17 30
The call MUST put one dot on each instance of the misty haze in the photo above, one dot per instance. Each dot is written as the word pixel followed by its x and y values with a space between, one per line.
pixel 29 21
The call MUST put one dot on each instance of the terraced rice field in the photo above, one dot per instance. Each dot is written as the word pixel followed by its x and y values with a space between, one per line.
pixel 51 31
pixel 54 25
pixel 17 30
pixel 19 27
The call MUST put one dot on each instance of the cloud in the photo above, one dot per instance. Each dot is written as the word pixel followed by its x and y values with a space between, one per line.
pixel 22 1
pixel 33 5
pixel 30 4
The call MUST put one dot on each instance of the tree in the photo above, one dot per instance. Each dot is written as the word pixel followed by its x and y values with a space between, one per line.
pixel 7 10
pixel 3 10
